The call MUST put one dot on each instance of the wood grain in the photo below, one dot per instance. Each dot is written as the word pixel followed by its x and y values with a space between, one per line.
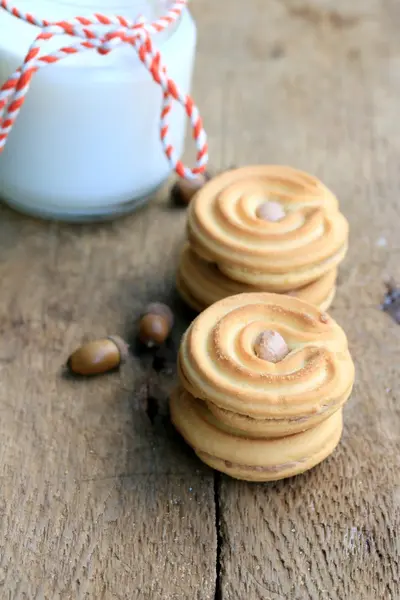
pixel 320 92
pixel 99 499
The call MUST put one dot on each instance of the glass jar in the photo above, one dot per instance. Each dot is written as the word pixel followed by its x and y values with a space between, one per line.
pixel 86 144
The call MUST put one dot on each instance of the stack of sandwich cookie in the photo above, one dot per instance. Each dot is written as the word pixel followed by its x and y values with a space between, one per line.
pixel 262 228
pixel 263 379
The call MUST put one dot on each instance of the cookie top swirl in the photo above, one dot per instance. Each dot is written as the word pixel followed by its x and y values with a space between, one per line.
pixel 218 362
pixel 224 226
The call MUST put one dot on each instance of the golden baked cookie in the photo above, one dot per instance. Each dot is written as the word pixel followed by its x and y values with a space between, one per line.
pixel 201 283
pixel 263 377
pixel 272 227
pixel 227 450
pixel 218 363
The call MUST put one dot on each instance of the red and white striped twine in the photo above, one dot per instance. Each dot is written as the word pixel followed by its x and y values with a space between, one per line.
pixel 121 31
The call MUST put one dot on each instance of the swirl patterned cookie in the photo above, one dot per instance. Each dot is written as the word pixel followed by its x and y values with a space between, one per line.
pixel 201 283
pixel 218 362
pixel 261 368
pixel 272 227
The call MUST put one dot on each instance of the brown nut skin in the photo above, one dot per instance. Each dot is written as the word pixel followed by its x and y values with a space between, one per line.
pixel 153 329
pixel 184 189
pixel 158 308
pixel 98 356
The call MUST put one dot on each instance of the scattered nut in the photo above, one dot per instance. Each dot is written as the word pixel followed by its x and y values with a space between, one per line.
pixel 155 324
pixel 98 356
pixel 271 346
pixel 270 211
pixel 158 308
pixel 184 189
pixel 153 330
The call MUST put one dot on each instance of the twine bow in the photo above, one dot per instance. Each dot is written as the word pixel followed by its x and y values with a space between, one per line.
pixel 119 31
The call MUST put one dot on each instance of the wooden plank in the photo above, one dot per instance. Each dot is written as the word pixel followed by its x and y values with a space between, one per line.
pixel 316 88
pixel 97 499
pixel 330 533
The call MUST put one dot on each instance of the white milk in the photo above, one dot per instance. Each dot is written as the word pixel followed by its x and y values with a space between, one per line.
pixel 86 143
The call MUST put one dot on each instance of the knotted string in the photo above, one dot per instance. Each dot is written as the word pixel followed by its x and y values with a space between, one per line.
pixel 119 31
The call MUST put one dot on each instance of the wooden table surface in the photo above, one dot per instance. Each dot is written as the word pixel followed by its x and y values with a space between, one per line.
pixel 99 498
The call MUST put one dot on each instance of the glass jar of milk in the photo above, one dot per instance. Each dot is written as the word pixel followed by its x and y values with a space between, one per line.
pixel 86 144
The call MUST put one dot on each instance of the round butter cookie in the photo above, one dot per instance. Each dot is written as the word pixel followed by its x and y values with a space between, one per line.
pixel 272 227
pixel 218 363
